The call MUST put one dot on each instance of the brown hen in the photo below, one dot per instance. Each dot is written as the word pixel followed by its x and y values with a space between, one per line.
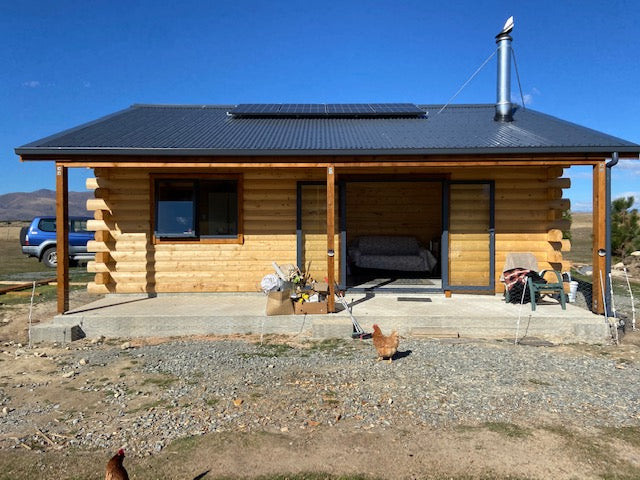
pixel 386 345
pixel 115 469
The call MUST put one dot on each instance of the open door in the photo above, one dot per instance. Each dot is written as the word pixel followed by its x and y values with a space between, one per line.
pixel 374 208
pixel 469 237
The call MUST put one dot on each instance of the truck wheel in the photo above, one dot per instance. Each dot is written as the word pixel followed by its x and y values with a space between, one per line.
pixel 50 257
pixel 23 235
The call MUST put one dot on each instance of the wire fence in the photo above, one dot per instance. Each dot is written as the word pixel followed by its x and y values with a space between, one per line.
pixel 10 232
pixel 625 299
pixel 620 290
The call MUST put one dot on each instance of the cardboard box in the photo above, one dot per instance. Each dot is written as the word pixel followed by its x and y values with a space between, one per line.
pixel 279 303
pixel 310 308
pixel 322 287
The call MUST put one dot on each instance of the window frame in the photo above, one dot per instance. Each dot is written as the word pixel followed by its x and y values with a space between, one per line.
pixel 197 177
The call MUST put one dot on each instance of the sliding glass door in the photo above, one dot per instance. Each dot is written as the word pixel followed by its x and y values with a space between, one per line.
pixel 469 238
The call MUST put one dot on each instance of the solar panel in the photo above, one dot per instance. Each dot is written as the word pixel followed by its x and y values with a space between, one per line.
pixel 302 108
pixel 350 109
pixel 320 110
pixel 256 109
pixel 398 108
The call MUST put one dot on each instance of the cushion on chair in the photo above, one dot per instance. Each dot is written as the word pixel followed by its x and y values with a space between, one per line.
pixel 520 260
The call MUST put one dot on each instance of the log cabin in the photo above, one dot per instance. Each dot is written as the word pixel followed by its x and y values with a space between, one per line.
pixel 203 198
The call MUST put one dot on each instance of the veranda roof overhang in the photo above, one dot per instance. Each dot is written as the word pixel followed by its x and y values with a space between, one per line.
pixel 107 154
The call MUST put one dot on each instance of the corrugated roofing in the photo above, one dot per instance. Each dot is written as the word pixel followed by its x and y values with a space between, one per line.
pixel 211 130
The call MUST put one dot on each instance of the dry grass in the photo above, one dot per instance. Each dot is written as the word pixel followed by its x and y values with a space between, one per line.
pixel 17 268
pixel 15 262
pixel 581 238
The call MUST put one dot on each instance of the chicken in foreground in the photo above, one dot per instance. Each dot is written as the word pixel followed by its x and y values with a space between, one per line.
pixel 115 469
pixel 386 345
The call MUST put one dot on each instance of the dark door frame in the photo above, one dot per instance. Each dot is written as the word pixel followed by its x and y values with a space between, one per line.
pixel 444 243
pixel 445 237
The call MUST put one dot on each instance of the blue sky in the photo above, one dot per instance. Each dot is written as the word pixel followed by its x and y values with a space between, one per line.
pixel 69 62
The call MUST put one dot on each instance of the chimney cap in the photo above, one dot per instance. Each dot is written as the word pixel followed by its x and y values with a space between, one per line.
pixel 508 26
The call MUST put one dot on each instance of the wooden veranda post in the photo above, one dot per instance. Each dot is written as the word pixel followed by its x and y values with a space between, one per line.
pixel 599 235
pixel 62 234
pixel 331 227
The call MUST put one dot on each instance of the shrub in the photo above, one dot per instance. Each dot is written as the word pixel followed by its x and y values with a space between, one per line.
pixel 625 227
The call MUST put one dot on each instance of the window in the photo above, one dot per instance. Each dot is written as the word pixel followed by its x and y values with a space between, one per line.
pixel 78 226
pixel 47 225
pixel 197 208
pixel 75 225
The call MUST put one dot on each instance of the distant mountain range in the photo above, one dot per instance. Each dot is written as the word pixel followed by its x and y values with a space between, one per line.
pixel 26 205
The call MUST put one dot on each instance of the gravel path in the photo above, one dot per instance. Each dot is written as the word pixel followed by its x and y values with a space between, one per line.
pixel 236 385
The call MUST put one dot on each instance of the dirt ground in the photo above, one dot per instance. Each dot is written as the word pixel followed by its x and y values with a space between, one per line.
pixel 488 451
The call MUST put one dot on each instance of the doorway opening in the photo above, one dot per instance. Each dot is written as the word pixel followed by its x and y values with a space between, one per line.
pixel 391 232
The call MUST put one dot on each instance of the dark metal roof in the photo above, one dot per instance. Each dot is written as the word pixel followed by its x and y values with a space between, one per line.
pixel 211 130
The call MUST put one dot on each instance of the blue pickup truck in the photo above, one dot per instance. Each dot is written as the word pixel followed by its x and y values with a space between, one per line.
pixel 39 240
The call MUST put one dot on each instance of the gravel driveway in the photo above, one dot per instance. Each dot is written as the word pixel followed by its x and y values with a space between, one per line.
pixel 146 396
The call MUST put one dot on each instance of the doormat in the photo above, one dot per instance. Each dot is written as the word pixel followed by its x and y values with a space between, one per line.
pixel 413 299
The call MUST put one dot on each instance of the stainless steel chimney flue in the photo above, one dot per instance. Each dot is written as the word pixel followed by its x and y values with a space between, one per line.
pixel 503 99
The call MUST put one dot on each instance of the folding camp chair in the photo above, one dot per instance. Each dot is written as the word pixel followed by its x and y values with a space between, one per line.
pixel 536 284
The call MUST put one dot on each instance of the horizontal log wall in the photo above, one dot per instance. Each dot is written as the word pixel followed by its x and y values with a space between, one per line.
pixel 128 261
pixel 469 209
pixel 529 206
pixel 528 218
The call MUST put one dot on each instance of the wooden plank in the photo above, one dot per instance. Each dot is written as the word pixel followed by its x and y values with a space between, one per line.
pixel 469 278
pixel 97 289
pixel 103 257
pixel 517 205
pixel 331 191
pixel 283 255
pixel 196 278
pixel 554 235
pixel 110 174
pixel 599 235
pixel 117 205
pixel 103 278
pixel 140 216
pixel 91 183
pixel 555 172
pixel 507 224
pixel 62 237
pixel 131 197
pixel 96 225
pixel 97 204
pixel 192 267
pixel 543 236
pixel 24 286
pixel 104 236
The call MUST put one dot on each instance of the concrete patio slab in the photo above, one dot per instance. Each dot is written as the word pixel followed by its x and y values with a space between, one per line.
pixel 421 315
